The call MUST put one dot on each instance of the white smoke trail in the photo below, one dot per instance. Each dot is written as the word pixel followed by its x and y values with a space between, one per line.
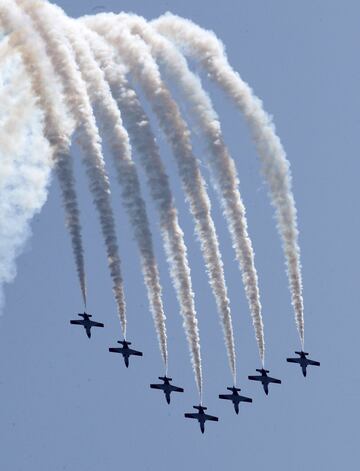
pixel 57 127
pixel 205 47
pixel 77 100
pixel 144 142
pixel 25 165
pixel 111 120
pixel 222 168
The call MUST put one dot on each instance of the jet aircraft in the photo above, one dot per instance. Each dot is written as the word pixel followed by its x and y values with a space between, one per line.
pixel 235 397
pixel 264 379
pixel 303 361
pixel 166 387
pixel 201 416
pixel 125 351
pixel 86 323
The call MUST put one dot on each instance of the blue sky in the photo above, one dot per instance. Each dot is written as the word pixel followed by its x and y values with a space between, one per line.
pixel 67 404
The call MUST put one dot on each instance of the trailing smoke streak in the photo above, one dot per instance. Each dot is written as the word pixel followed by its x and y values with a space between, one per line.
pixel 138 125
pixel 57 128
pixel 222 168
pixel 206 48
pixel 111 120
pixel 64 172
pixel 77 100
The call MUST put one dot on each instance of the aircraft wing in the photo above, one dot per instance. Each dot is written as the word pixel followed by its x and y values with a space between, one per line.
pixel 211 417
pixel 313 362
pixel 135 352
pixel 226 396
pixel 255 378
pixel 293 360
pixel 115 350
pixel 176 389
pixel 274 380
pixel 77 322
pixel 156 386
pixel 245 399
pixel 96 324
pixel 191 416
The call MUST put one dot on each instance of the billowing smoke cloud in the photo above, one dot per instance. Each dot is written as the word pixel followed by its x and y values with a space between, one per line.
pixel 110 117
pixel 77 100
pixel 222 168
pixel 25 164
pixel 206 48
pixel 144 142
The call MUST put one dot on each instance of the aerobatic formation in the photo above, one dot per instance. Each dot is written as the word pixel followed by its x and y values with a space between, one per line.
pixel 78 77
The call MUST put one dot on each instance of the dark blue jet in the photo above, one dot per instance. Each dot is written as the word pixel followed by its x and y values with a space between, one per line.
pixel 201 416
pixel 166 387
pixel 86 323
pixel 235 397
pixel 303 361
pixel 125 351
pixel 264 379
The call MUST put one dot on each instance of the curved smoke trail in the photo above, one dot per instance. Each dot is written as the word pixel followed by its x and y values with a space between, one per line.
pixel 205 47
pixel 143 139
pixel 56 128
pixel 110 117
pixel 77 100
pixel 222 168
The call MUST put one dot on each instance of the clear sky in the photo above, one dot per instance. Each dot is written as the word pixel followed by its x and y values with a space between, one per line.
pixel 68 404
